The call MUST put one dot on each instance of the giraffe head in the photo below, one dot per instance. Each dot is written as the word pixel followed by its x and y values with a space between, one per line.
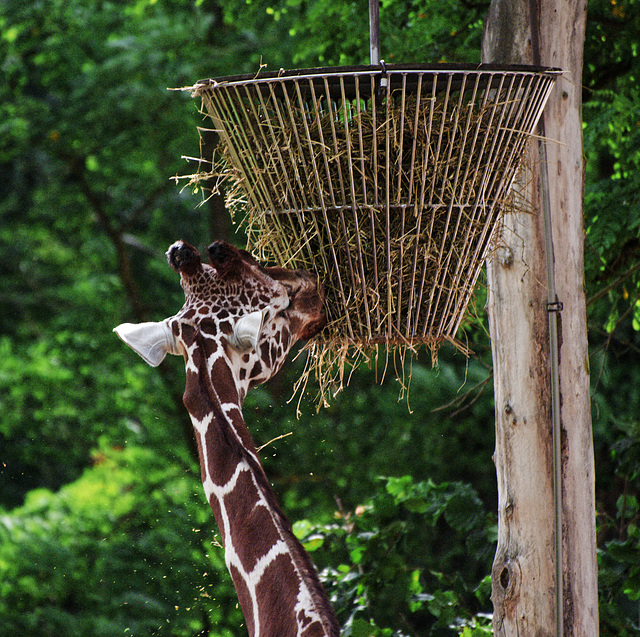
pixel 237 314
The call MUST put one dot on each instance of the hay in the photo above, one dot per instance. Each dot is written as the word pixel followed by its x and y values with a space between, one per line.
pixel 392 197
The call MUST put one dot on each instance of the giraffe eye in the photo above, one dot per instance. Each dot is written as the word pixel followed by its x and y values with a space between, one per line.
pixel 285 308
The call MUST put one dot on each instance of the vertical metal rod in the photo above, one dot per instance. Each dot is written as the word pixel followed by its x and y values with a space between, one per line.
pixel 556 421
pixel 552 302
pixel 374 31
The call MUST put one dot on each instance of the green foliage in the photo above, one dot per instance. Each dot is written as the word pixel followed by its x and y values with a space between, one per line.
pixel 612 260
pixel 619 569
pixel 326 33
pixel 87 147
pixel 612 145
pixel 62 394
pixel 371 421
pixel 413 558
pixel 617 447
pixel 113 541
pixel 126 549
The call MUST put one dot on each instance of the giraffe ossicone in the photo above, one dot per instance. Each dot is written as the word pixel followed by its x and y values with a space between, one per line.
pixel 235 329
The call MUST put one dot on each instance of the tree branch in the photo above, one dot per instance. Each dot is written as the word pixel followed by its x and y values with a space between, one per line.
pixel 621 279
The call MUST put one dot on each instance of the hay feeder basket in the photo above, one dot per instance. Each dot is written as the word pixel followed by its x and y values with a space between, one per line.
pixel 387 180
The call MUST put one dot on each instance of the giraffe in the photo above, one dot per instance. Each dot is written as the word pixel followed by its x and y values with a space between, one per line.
pixel 236 327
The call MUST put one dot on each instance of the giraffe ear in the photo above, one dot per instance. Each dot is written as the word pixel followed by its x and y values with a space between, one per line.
pixel 247 331
pixel 152 341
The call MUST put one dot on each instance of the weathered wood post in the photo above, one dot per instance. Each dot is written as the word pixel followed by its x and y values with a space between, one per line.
pixel 551 33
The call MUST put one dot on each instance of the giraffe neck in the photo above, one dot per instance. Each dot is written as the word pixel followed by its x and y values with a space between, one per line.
pixel 278 589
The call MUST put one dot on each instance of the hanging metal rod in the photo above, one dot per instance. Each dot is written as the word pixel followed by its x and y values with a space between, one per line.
pixel 374 31
pixel 553 307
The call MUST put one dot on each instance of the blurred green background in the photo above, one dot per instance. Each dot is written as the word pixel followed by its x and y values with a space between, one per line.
pixel 104 529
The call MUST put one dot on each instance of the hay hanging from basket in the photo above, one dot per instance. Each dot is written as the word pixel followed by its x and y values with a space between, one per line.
pixel 389 184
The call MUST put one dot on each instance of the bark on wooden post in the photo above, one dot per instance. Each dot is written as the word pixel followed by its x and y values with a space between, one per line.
pixel 523 582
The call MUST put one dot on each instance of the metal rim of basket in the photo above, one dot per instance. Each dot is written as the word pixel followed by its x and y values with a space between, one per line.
pixel 319 73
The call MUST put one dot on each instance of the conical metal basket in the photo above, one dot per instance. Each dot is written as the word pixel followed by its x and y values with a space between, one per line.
pixel 388 181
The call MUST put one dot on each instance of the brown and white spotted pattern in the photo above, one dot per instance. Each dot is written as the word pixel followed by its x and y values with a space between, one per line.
pixel 235 330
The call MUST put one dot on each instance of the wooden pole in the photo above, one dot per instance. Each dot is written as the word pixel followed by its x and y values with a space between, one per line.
pixel 524 590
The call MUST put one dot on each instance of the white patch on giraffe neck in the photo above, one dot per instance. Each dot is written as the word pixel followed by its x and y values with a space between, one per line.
pixel 305 607
pixel 279 548
pixel 231 557
pixel 201 427
pixel 189 364
pixel 227 408
pixel 211 359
